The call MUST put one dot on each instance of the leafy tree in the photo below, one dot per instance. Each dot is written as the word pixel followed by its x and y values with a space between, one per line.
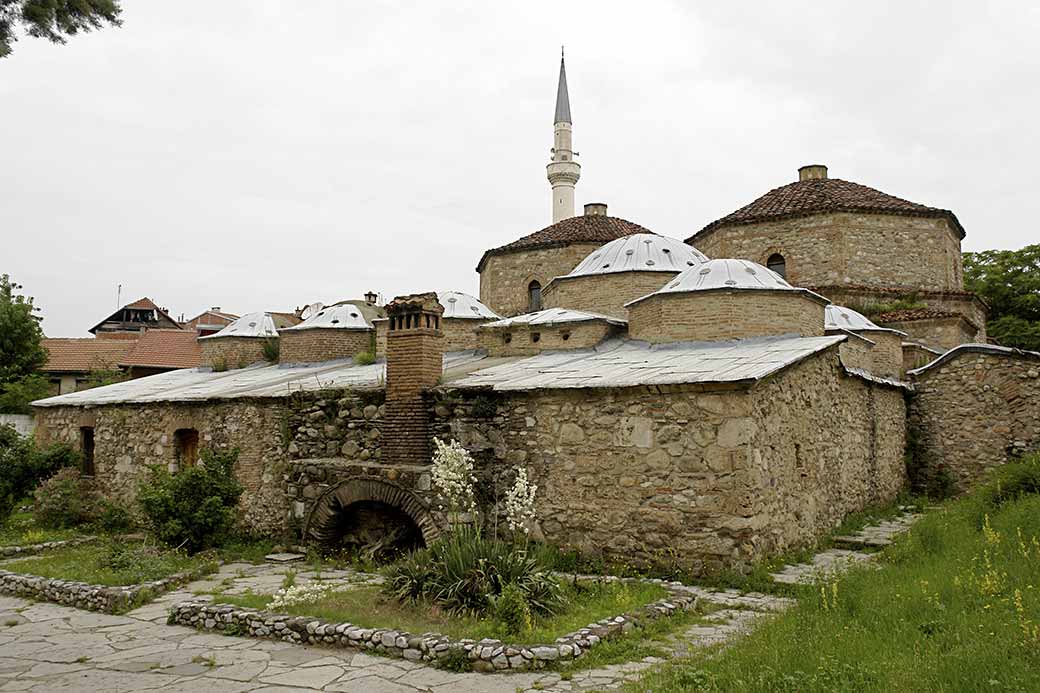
pixel 1009 281
pixel 21 351
pixel 54 19
pixel 15 397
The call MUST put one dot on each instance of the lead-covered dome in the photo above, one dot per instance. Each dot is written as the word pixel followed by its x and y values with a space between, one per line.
pixel 727 274
pixel 259 324
pixel 461 305
pixel 343 316
pixel 842 318
pixel 641 252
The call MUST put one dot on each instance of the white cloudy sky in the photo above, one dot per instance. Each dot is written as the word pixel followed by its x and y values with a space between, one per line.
pixel 260 154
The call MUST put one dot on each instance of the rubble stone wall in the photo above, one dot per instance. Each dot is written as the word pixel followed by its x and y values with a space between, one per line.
pixel 231 352
pixel 835 249
pixel 974 412
pixel 604 294
pixel 938 333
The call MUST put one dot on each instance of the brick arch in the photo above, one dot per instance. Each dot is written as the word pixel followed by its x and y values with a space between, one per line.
pixel 321 521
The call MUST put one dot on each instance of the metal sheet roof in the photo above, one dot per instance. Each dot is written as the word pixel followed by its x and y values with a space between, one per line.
pixel 461 305
pixel 618 363
pixel 552 316
pixel 259 324
pixel 842 318
pixel 641 252
pixel 342 316
pixel 728 274
pixel 992 349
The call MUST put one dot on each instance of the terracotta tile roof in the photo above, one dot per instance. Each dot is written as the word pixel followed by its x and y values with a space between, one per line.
pixel 143 303
pixel 82 355
pixel 588 228
pixel 165 349
pixel 916 314
pixel 894 290
pixel 817 196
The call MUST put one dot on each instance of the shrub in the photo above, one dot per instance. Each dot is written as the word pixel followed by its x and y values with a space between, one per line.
pixel 64 500
pixel 365 358
pixel 270 349
pixel 16 396
pixel 512 610
pixel 1009 483
pixel 111 517
pixel 195 508
pixel 465 572
pixel 23 466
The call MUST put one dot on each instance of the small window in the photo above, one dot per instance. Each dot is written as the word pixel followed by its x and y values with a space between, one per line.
pixel 565 336
pixel 777 263
pixel 186 447
pixel 536 337
pixel 534 296
pixel 507 338
pixel 86 446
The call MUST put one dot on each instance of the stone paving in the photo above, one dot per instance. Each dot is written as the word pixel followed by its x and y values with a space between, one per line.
pixel 46 647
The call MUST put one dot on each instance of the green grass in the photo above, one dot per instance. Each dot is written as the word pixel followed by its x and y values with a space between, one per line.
pixel 21 530
pixel 954 607
pixel 110 563
pixel 368 607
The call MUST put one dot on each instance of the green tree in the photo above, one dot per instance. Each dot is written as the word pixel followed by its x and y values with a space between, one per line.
pixel 54 19
pixel 1009 281
pixel 21 352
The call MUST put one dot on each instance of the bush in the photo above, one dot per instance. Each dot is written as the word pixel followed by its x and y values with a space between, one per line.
pixel 15 396
pixel 64 500
pixel 365 358
pixel 112 518
pixel 23 466
pixel 512 610
pixel 1009 483
pixel 194 509
pixel 466 572
pixel 270 349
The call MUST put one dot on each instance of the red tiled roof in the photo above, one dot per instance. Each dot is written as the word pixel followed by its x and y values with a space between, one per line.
pixel 143 303
pixel 211 317
pixel 821 195
pixel 916 314
pixel 165 349
pixel 588 228
pixel 82 355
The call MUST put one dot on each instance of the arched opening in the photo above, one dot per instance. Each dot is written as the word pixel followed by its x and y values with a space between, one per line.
pixel 373 517
pixel 534 296
pixel 778 264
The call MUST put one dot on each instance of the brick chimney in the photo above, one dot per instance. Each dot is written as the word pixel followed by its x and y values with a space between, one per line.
pixel 414 358
pixel 596 209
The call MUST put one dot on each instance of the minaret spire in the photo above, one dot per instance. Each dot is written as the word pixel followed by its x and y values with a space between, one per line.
pixel 563 171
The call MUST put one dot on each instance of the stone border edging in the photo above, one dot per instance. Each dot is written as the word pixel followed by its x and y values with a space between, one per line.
pixel 83 595
pixel 485 655
pixel 16 551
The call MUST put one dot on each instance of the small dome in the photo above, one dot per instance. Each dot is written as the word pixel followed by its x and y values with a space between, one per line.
pixel 552 316
pixel 344 316
pixel 842 318
pixel 727 274
pixel 259 324
pixel 641 252
pixel 459 305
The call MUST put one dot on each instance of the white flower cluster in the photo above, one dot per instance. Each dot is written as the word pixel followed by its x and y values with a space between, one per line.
pixel 453 476
pixel 520 502
pixel 301 594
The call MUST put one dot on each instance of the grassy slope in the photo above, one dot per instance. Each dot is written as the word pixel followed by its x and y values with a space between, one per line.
pixel 21 530
pixel 369 608
pixel 954 607
pixel 92 563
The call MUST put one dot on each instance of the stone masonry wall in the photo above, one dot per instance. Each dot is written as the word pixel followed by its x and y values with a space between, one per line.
pixel 835 249
pixel 505 278
pixel 973 412
pixel 938 333
pixel 721 315
pixel 460 334
pixel 520 341
pixel 604 294
pixel 866 300
pixel 231 352
pixel 323 344
pixel 129 438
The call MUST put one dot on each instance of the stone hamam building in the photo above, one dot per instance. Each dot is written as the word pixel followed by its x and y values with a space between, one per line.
pixel 712 404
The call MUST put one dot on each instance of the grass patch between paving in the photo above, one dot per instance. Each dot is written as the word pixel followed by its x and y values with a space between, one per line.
pixel 111 563
pixel 21 529
pixel 955 606
pixel 368 607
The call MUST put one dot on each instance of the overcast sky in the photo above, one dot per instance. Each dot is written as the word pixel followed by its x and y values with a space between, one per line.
pixel 262 155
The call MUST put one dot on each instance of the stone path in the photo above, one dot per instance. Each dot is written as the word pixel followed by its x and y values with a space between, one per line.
pixel 45 647
pixel 831 562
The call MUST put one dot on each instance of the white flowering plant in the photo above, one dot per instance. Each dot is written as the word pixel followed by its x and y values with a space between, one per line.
pixel 301 594
pixel 453 477
pixel 520 503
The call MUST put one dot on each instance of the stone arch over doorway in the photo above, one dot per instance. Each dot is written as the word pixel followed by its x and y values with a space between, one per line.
pixel 324 523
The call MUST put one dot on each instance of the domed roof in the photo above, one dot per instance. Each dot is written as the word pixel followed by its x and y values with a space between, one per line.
pixel 552 316
pixel 258 324
pixel 460 305
pixel 587 228
pixel 640 252
pixel 822 195
pixel 727 274
pixel 842 318
pixel 343 316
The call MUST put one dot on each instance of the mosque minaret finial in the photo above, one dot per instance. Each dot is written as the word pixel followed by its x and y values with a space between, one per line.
pixel 563 170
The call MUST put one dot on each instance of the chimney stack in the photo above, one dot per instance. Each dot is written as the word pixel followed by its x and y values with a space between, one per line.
pixel 414 363
pixel 371 297
pixel 596 209
pixel 812 172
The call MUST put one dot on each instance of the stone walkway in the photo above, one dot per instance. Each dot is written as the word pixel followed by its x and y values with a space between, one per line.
pixel 45 647
pixel 831 562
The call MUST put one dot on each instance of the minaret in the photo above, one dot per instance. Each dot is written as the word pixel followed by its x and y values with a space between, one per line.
pixel 563 170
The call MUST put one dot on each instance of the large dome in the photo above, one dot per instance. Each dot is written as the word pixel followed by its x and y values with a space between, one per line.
pixel 727 274
pixel 640 252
